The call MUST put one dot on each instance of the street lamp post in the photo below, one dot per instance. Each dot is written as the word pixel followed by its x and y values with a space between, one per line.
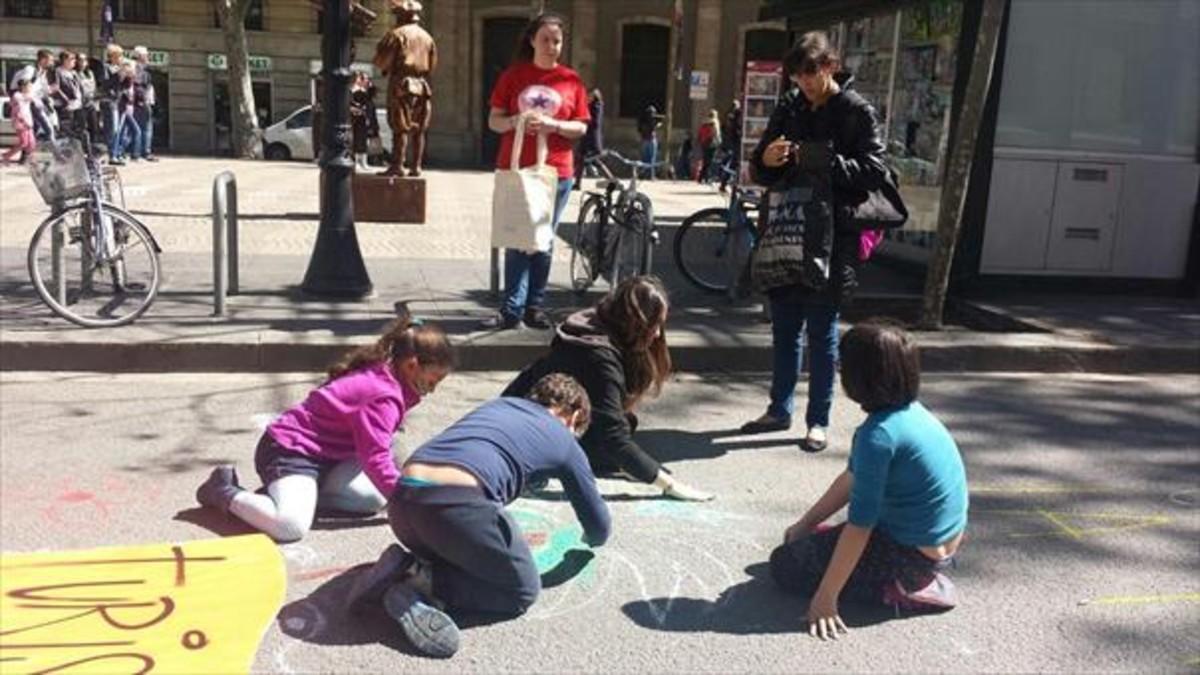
pixel 336 268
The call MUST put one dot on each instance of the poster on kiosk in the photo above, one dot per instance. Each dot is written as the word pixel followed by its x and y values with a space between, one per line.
pixel 763 82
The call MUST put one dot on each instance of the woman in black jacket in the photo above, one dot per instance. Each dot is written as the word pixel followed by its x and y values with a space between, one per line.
pixel 821 127
pixel 618 352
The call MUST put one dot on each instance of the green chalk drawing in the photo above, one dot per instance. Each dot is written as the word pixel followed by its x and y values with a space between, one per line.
pixel 548 540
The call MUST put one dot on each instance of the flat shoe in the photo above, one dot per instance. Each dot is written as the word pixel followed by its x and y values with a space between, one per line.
pixel 766 424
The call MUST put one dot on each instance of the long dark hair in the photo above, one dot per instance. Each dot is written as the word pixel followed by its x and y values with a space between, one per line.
pixel 634 316
pixel 400 340
pixel 524 50
pixel 880 365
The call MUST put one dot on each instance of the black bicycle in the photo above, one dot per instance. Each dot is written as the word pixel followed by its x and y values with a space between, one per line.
pixel 712 247
pixel 615 234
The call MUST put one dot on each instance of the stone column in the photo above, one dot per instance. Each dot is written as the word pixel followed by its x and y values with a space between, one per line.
pixel 583 40
pixel 708 54
pixel 451 29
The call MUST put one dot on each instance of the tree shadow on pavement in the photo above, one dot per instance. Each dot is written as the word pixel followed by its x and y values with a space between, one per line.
pixel 754 607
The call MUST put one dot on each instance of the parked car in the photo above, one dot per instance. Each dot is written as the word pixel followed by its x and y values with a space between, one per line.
pixel 291 137
pixel 8 135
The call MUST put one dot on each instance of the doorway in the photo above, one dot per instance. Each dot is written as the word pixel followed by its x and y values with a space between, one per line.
pixel 221 121
pixel 500 37
pixel 162 109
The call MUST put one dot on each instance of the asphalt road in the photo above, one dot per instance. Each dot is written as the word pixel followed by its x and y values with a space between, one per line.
pixel 1083 549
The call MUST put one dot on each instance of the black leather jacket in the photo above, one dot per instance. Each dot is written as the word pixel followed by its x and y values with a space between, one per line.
pixel 857 166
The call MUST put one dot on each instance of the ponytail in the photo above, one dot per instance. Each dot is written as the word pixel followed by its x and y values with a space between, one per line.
pixel 401 339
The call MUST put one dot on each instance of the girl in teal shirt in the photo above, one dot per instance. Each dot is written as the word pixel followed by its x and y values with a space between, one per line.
pixel 906 490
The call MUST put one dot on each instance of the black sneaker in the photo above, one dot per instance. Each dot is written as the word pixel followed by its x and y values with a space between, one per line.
pixel 372 582
pixel 766 424
pixel 537 319
pixel 428 629
pixel 218 491
pixel 500 321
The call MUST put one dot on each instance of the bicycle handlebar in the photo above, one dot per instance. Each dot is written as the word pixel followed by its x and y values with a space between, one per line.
pixel 637 164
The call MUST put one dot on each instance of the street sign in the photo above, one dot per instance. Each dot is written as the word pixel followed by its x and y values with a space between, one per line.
pixel 258 64
pixel 699 86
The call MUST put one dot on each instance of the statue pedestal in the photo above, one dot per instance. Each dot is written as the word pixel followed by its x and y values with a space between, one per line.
pixel 388 199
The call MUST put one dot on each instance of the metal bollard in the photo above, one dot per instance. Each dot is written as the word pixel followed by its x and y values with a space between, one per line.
pixel 495 273
pixel 225 240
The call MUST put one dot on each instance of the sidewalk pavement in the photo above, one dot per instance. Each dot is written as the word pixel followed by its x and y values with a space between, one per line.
pixel 441 270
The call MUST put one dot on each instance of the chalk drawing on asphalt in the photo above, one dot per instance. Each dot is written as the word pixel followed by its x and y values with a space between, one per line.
pixel 1078 526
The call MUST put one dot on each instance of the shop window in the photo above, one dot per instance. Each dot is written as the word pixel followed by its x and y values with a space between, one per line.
pixel 136 11
pixel 29 9
pixel 645 52
pixel 254 16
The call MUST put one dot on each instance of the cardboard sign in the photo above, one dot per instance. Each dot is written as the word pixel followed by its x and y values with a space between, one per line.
pixel 194 607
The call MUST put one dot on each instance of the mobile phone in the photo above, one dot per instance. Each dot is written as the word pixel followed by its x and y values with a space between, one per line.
pixel 812 155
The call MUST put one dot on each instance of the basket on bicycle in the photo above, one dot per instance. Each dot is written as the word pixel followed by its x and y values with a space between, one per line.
pixel 59 170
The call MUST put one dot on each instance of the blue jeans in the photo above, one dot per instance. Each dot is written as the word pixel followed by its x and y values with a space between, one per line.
pixel 650 155
pixel 112 128
pixel 526 274
pixel 144 117
pixel 789 319
pixel 125 124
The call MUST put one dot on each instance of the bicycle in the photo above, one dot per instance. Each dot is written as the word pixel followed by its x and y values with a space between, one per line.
pixel 116 256
pixel 712 247
pixel 602 250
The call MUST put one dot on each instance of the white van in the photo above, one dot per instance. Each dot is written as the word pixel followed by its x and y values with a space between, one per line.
pixel 291 137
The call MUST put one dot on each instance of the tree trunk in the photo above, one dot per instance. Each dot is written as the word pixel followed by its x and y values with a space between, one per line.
pixel 244 136
pixel 958 173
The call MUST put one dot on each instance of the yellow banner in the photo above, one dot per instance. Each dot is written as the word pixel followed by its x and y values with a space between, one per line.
pixel 193 607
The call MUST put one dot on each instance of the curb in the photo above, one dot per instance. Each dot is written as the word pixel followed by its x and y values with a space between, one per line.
pixel 109 357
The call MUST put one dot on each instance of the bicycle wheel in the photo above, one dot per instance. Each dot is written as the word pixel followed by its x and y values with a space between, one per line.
pixel 586 248
pixel 102 277
pixel 704 250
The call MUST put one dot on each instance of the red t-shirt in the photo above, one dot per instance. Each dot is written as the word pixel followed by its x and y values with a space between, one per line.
pixel 557 93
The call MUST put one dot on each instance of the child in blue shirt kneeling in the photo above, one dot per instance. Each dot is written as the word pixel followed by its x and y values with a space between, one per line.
pixel 905 486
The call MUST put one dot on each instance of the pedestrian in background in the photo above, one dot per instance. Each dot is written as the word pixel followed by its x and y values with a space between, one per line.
pixel 905 489
pixel 618 352
pixel 87 86
pixel 144 103
pixel 732 143
pixel 109 86
pixel 335 448
pixel 129 133
pixel 552 100
pixel 39 74
pixel 67 94
pixel 21 101
pixel 593 138
pixel 709 137
pixel 468 554
pixel 648 123
pixel 820 114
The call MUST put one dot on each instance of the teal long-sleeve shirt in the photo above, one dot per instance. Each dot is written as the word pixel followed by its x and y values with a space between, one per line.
pixel 909 478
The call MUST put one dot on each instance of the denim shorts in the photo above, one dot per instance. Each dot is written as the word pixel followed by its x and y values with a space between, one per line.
pixel 272 461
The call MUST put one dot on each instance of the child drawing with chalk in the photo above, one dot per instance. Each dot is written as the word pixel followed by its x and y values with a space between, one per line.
pixel 335 447
pixel 464 553
pixel 905 486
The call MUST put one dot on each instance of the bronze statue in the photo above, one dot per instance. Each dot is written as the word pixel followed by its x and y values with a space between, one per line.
pixel 407 56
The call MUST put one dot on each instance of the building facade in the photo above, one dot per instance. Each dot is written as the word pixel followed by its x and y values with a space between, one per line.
pixel 621 46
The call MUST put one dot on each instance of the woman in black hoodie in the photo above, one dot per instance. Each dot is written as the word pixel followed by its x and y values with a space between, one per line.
pixel 824 133
pixel 618 351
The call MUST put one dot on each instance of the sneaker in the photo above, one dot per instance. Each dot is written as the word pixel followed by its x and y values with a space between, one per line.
pixel 116 162
pixel 151 158
pixel 816 440
pixel 537 319
pixel 766 424
pixel 372 582
pixel 937 595
pixel 500 321
pixel 218 491
pixel 428 629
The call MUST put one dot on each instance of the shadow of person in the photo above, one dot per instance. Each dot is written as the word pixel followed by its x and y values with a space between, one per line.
pixel 322 618
pixel 673 445
pixel 756 606
pixel 214 521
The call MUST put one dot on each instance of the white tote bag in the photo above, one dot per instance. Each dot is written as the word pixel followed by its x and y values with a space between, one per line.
pixel 523 200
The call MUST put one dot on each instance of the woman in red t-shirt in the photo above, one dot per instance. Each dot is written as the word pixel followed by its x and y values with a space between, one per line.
pixel 553 101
